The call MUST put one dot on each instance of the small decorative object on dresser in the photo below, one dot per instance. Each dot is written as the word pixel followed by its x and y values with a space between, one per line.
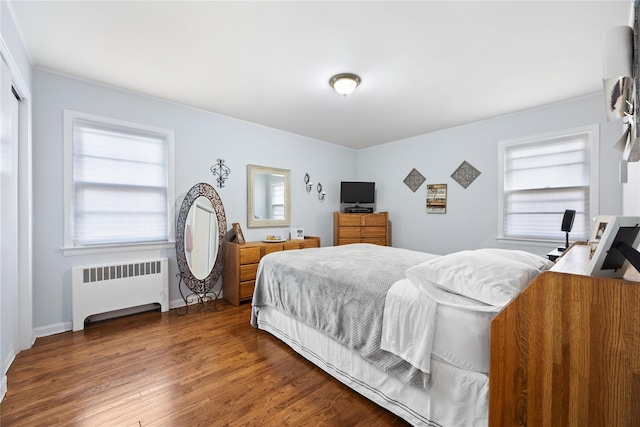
pixel 241 264
pixel 361 228
pixel 297 233
pixel 237 231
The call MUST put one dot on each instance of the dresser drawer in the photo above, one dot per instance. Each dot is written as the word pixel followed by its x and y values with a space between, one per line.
pixel 273 247
pixel 346 241
pixel 350 232
pixel 290 246
pixel 350 220
pixel 250 255
pixel 374 221
pixel 248 272
pixel 310 243
pixel 375 240
pixel 246 289
pixel 374 232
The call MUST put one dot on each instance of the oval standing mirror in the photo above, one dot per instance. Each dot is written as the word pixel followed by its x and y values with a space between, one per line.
pixel 200 233
pixel 268 197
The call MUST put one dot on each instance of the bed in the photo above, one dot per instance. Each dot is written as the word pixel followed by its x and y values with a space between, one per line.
pixel 406 329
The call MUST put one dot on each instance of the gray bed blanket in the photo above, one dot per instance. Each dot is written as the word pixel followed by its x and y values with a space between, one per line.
pixel 340 291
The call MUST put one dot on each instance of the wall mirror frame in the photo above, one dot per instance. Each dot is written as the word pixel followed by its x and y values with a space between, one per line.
pixel 200 287
pixel 264 183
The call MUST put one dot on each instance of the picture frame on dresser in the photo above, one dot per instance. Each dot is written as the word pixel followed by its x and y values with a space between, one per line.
pixel 297 233
pixel 237 231
pixel 609 232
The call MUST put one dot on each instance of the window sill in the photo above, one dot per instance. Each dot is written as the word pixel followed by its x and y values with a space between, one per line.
pixel 529 242
pixel 106 249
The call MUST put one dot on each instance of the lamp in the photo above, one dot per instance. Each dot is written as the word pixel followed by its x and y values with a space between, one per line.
pixel 567 225
pixel 344 83
pixel 308 183
pixel 321 193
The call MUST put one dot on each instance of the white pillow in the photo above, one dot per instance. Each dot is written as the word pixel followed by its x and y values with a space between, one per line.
pixel 490 278
pixel 528 258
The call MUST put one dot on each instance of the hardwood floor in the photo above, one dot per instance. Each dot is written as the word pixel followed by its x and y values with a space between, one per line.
pixel 159 369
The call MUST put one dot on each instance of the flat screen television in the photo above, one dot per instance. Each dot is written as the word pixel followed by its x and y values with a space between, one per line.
pixel 357 192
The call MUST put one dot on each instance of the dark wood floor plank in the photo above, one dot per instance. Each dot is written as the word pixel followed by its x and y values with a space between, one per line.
pixel 159 369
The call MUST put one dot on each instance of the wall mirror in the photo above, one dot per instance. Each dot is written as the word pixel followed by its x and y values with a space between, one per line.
pixel 268 197
pixel 200 232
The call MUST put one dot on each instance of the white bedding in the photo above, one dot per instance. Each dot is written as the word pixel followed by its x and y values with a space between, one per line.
pixel 456 397
pixel 455 328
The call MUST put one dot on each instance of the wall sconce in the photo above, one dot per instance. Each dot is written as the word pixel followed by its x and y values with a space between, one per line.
pixel 222 171
pixel 308 183
pixel 321 193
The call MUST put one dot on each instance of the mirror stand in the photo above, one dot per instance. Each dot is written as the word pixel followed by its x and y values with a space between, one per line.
pixel 200 232
pixel 202 297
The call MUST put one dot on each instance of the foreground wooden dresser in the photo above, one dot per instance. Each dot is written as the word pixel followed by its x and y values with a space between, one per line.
pixel 566 351
pixel 241 264
pixel 361 228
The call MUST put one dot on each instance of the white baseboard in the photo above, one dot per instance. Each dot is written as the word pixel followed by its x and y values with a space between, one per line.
pixel 3 387
pixel 45 331
pixel 58 328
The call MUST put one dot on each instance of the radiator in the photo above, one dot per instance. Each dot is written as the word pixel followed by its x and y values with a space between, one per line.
pixel 100 289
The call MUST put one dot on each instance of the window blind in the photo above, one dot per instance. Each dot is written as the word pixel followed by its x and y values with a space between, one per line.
pixel 541 180
pixel 120 184
pixel 277 200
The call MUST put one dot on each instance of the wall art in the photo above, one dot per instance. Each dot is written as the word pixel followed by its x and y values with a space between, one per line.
pixel 465 174
pixel 414 180
pixel 437 198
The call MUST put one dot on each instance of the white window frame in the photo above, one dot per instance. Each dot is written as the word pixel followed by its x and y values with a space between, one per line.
pixel 69 248
pixel 594 175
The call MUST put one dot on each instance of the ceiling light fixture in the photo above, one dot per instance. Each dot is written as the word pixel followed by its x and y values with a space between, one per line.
pixel 344 83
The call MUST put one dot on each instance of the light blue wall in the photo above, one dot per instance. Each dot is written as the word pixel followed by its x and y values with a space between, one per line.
pixel 200 139
pixel 471 220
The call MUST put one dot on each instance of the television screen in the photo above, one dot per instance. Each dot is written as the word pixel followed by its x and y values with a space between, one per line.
pixel 357 192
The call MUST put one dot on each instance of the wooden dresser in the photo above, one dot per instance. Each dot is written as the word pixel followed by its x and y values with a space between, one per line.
pixel 241 264
pixel 361 228
pixel 566 351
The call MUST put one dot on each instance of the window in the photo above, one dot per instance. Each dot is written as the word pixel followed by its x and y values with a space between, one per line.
pixel 119 183
pixel 541 177
pixel 277 200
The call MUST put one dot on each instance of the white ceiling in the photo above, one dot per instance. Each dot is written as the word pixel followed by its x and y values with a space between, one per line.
pixel 425 65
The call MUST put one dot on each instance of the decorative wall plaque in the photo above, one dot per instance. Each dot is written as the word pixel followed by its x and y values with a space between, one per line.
pixel 414 180
pixel 465 174
pixel 437 198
